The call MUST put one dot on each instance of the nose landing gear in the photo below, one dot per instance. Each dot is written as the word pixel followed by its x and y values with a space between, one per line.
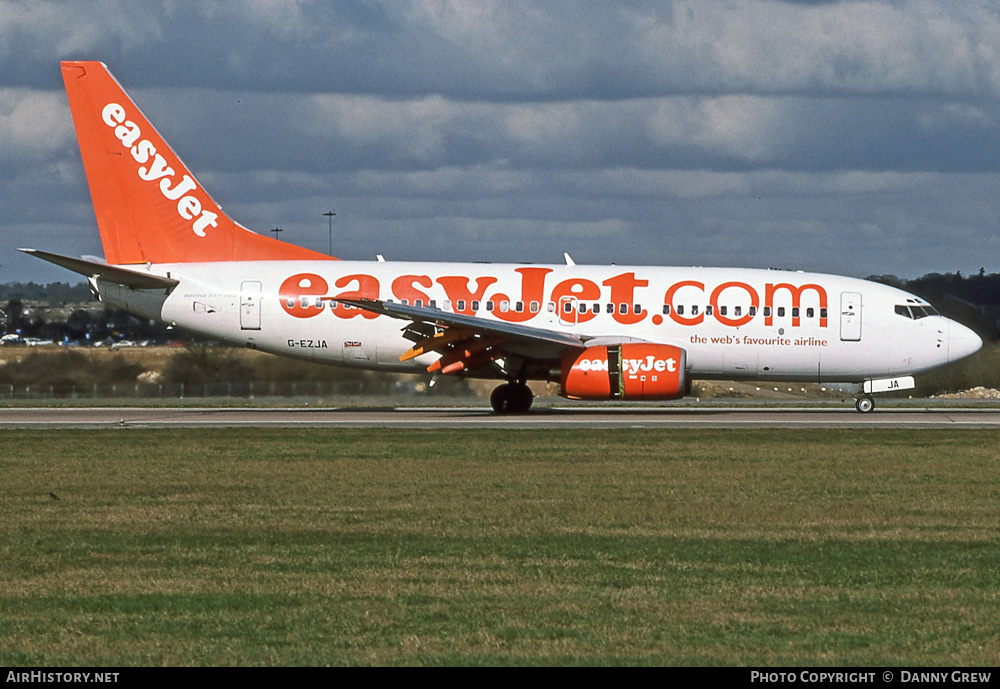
pixel 864 403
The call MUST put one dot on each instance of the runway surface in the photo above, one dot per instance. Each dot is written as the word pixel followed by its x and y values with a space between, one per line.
pixel 481 417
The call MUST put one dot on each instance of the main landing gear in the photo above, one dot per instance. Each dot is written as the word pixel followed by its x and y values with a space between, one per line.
pixel 511 398
pixel 864 403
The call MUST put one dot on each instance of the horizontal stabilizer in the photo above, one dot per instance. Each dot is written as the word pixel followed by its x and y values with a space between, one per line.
pixel 105 272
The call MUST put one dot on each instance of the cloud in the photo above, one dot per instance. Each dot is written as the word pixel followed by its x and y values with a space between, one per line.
pixel 492 50
pixel 34 127
pixel 837 47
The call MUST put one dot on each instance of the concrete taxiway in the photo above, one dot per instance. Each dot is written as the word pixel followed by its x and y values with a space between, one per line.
pixel 481 417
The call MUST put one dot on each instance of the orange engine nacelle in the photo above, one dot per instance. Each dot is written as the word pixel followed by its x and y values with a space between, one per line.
pixel 627 371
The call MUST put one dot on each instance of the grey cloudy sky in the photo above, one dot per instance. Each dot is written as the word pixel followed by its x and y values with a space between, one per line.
pixel 847 137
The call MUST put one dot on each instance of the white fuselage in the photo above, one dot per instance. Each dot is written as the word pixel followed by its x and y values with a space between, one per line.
pixel 734 323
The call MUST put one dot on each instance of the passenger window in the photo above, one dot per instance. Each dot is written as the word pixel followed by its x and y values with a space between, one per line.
pixel 694 310
pixel 767 312
pixel 461 305
pixel 418 302
pixel 447 304
pixel 810 312
pixel 752 311
pixel 475 305
pixel 722 310
pixel 504 306
pixel 567 307
pixel 795 312
pixel 596 308
pixel 781 312
pixel 737 310
pixel 708 310
pixel 535 306
pixel 822 312
pixel 583 308
pixel 489 306
pixel 519 306
pixel 623 308
pixel 550 307
pixel 666 309
pixel 680 310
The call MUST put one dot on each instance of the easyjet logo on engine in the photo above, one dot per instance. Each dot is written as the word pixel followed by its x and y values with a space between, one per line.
pixel 307 295
pixel 153 166
pixel 631 366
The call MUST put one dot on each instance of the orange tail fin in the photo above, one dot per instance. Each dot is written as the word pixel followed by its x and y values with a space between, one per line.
pixel 149 207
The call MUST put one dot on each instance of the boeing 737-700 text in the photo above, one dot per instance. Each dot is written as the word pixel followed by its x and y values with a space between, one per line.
pixel 600 332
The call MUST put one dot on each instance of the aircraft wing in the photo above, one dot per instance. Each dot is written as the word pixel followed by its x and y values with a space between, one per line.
pixel 467 342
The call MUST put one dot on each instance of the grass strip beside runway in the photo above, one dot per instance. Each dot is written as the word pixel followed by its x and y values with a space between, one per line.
pixel 262 546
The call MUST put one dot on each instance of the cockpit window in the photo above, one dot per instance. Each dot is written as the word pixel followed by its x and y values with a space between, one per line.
pixel 916 311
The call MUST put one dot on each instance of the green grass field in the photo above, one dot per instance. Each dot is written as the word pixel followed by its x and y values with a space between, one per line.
pixel 316 547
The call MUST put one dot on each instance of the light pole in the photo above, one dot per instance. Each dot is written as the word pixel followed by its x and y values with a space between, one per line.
pixel 329 215
pixel 276 230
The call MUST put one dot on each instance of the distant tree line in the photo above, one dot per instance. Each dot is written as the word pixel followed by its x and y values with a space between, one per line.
pixel 81 325
pixel 53 293
pixel 981 289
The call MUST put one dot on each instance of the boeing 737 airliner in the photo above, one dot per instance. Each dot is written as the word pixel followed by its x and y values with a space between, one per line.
pixel 601 332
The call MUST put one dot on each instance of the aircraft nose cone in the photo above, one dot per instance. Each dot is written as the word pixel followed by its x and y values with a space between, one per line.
pixel 962 341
